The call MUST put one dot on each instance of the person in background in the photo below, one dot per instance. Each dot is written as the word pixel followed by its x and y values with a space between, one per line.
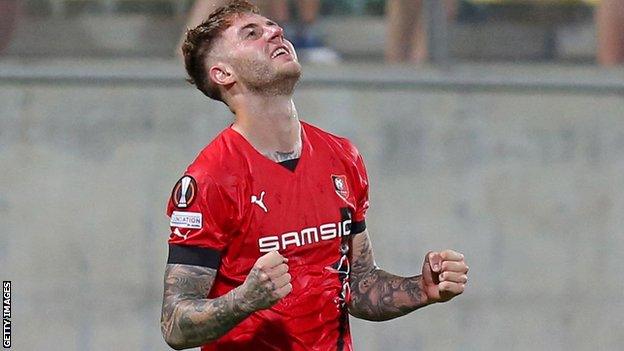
pixel 303 31
pixel 8 18
pixel 610 32
pixel 406 38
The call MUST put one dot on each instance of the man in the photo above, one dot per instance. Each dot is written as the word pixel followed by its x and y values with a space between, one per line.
pixel 406 37
pixel 610 32
pixel 269 248
pixel 9 12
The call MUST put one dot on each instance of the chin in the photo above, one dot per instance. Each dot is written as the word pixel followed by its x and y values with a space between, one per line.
pixel 284 82
pixel 276 80
pixel 291 69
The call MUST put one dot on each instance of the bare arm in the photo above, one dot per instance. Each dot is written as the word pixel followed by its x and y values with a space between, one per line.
pixel 189 319
pixel 378 295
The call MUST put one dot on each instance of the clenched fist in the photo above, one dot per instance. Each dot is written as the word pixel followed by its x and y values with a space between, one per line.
pixel 267 282
pixel 444 275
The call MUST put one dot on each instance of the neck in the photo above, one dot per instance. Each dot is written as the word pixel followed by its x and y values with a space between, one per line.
pixel 271 126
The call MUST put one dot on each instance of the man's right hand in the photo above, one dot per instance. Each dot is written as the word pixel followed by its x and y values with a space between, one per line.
pixel 267 282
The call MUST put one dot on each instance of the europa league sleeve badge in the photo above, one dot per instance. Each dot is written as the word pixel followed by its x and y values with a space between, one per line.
pixel 184 192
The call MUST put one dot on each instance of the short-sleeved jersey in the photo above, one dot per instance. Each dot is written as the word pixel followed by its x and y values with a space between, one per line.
pixel 238 204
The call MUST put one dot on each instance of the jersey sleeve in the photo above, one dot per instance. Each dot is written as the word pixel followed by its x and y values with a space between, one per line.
pixel 360 187
pixel 202 219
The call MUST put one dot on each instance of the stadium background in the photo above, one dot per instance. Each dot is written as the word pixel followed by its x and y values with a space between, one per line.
pixel 510 149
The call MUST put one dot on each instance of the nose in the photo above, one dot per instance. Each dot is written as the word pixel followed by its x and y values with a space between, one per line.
pixel 276 33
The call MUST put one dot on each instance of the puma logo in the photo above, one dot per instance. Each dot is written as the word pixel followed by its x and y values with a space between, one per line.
pixel 258 201
pixel 177 232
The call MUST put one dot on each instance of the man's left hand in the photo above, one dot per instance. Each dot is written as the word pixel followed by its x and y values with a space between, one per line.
pixel 444 275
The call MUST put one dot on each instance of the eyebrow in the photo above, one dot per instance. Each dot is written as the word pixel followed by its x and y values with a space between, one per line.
pixel 250 25
pixel 253 25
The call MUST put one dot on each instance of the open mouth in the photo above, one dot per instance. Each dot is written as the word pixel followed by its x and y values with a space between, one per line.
pixel 279 52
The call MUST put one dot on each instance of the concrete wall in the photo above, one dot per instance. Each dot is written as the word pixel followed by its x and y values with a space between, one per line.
pixel 527 184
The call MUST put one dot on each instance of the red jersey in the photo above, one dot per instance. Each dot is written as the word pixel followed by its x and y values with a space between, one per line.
pixel 239 205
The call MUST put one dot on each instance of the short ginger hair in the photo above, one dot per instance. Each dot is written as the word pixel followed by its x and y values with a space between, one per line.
pixel 200 40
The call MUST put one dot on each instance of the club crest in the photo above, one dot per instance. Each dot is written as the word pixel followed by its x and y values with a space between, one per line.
pixel 340 185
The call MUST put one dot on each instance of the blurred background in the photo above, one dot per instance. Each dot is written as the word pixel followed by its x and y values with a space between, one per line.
pixel 492 127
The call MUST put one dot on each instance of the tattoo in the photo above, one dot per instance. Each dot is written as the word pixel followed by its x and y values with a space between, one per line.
pixel 190 319
pixel 378 295
pixel 260 294
pixel 279 156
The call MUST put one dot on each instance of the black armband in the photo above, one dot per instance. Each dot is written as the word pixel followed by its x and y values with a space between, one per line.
pixel 358 227
pixel 194 256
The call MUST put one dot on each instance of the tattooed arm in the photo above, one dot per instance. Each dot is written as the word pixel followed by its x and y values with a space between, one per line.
pixel 189 319
pixel 378 295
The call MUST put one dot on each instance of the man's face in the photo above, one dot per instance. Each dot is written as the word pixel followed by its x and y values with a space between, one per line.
pixel 262 59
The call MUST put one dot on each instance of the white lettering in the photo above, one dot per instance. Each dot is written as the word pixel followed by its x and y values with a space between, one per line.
pixel 6 333
pixel 6 314
pixel 310 235
pixel 307 234
pixel 269 243
pixel 346 227
pixel 339 230
pixel 328 231
pixel 290 238
pixel 6 299
pixel 191 220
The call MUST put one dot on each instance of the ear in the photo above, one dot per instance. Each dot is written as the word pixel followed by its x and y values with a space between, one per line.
pixel 221 74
